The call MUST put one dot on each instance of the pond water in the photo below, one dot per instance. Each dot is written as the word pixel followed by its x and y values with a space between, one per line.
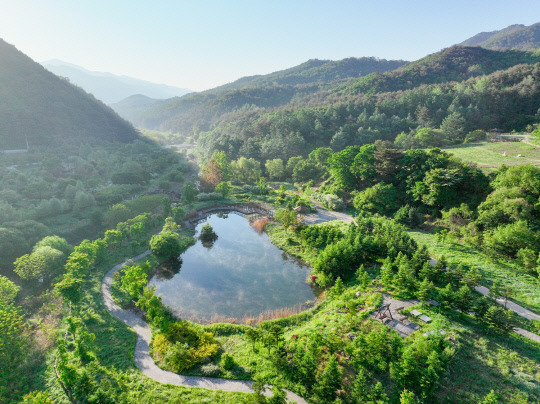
pixel 241 274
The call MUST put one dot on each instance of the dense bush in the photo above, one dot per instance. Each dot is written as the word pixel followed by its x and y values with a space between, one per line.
pixel 181 346
pixel 371 240
pixel 211 196
pixel 329 201
pixel 381 198
pixel 320 235
pixel 166 245
pixel 422 364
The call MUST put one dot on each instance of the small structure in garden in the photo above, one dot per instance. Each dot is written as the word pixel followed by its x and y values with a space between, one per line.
pixel 425 319
pixel 389 314
pixel 383 312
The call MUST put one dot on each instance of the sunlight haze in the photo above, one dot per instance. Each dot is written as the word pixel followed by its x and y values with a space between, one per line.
pixel 200 45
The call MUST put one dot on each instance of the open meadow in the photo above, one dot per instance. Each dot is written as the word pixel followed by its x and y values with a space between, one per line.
pixel 490 155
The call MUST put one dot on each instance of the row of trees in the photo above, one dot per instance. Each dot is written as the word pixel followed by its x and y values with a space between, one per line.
pixel 219 169
pixel 14 340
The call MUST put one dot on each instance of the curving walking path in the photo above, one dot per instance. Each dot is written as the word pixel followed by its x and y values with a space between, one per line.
pixel 146 364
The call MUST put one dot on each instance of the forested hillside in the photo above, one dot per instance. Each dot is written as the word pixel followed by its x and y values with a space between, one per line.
pixel 457 63
pixel 506 99
pixel 513 37
pixel 467 88
pixel 199 112
pixel 45 110
pixel 424 268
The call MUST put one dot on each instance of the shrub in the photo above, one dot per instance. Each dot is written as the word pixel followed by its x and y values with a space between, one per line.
pixel 208 233
pixel 210 370
pixel 321 235
pixel 166 245
pixel 182 346
pixel 508 239
pixel 133 281
pixel 226 329
pixel 475 136
pixel 408 215
pixel 210 196
pixel 329 201
pixel 380 198
pixel 55 242
pixel 227 362
pixel 8 291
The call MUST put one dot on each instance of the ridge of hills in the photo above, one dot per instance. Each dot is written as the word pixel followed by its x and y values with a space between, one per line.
pixel 111 88
pixel 515 36
pixel 202 110
pixel 456 63
pixel 316 71
pixel 45 110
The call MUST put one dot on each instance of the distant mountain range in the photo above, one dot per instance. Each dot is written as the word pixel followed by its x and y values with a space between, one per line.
pixel 111 88
pixel 512 37
pixel 202 110
pixel 45 110
pixel 313 83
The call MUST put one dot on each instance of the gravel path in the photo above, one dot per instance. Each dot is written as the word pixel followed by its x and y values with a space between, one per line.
pixel 516 308
pixel 146 364
pixel 323 215
pixel 527 334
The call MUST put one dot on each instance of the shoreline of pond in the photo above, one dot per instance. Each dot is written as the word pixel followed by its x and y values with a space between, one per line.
pixel 246 317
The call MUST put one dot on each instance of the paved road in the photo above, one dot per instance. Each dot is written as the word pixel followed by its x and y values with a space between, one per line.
pixel 146 364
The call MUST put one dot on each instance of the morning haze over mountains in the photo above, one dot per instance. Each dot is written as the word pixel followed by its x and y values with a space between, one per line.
pixel 161 107
pixel 111 88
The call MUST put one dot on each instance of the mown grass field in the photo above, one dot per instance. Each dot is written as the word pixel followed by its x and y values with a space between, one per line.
pixel 526 287
pixel 489 155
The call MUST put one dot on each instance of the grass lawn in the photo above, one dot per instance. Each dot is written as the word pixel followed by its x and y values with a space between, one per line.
pixel 526 287
pixel 489 155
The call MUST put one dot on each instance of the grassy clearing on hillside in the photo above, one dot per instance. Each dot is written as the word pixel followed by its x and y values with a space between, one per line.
pixel 526 287
pixel 506 363
pixel 489 155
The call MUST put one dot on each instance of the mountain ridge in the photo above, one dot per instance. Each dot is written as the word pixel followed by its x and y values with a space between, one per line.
pixel 260 91
pixel 47 110
pixel 516 36
pixel 108 87
pixel 202 112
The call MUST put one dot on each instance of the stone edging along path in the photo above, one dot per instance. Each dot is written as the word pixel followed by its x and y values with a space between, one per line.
pixel 146 364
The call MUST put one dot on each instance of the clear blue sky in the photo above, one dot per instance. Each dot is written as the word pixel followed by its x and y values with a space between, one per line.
pixel 199 44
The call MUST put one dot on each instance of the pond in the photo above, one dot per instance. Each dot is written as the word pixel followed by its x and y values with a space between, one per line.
pixel 239 275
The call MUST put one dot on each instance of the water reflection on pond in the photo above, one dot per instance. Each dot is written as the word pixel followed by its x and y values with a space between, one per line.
pixel 240 274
